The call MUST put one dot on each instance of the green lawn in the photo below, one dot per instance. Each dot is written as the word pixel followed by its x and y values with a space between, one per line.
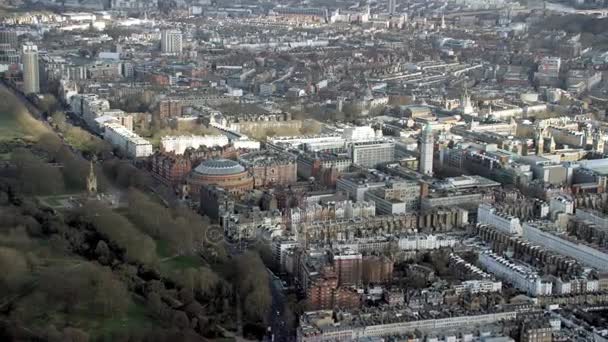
pixel 137 319
pixel 182 262
pixel 170 262
pixel 100 328
pixel 57 201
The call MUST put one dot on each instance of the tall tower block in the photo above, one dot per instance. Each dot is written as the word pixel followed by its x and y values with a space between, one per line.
pixel 426 151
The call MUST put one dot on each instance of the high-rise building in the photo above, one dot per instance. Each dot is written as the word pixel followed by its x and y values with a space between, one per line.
pixel 426 150
pixel 8 54
pixel 9 37
pixel 171 41
pixel 392 6
pixel 31 72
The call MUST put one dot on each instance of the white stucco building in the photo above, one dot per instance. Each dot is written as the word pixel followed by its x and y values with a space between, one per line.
pixel 127 142
pixel 179 144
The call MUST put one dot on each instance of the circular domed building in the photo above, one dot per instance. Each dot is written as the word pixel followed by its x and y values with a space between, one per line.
pixel 224 173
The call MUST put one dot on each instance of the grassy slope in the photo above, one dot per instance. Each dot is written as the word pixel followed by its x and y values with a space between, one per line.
pixel 16 121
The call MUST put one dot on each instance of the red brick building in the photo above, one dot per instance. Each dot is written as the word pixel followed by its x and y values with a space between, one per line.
pixel 324 293
pixel 158 79
pixel 346 298
pixel 170 108
pixel 169 168
pixel 329 177
pixel 224 173
pixel 196 156
pixel 270 168
pixel 376 269
pixel 320 294
pixel 347 265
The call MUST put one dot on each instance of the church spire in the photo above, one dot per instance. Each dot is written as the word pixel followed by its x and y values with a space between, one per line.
pixel 540 142
pixel 92 180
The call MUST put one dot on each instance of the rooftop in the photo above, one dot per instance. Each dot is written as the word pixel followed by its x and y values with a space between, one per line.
pixel 219 167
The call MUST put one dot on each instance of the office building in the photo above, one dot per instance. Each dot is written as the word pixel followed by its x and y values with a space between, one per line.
pixel 369 154
pixel 9 55
pixel 359 133
pixel 397 197
pixel 31 71
pixel 9 37
pixel 89 107
pixel 171 41
pixel 426 151
pixel 356 185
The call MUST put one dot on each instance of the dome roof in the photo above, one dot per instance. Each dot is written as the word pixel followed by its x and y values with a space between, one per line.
pixel 219 167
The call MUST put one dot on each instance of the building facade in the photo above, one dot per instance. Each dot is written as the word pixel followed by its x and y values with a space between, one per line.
pixel 376 269
pixel 521 277
pixel 179 144
pixel 348 266
pixel 169 168
pixel 486 214
pixel 223 173
pixel 130 144
pixel 397 197
pixel 371 153
pixel 270 168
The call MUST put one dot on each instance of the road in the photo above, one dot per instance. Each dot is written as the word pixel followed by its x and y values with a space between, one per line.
pixel 279 328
